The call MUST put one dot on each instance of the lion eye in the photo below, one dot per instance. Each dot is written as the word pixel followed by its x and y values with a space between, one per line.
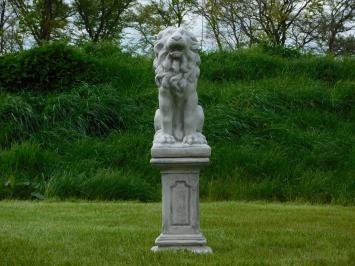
pixel 159 46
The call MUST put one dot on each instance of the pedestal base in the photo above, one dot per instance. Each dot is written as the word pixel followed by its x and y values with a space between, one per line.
pixel 193 249
pixel 180 167
pixel 181 240
pixel 195 243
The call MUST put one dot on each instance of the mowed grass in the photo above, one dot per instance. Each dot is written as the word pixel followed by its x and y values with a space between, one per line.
pixel 121 233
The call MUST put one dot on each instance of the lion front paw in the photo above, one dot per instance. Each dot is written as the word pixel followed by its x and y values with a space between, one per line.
pixel 164 138
pixel 196 138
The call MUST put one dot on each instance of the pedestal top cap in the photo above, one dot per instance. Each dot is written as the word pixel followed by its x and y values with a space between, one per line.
pixel 180 150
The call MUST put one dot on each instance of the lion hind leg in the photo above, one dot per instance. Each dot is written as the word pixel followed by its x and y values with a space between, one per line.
pixel 157 120
pixel 200 118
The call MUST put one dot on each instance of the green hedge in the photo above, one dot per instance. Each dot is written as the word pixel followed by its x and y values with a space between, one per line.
pixel 46 68
pixel 281 127
pixel 255 64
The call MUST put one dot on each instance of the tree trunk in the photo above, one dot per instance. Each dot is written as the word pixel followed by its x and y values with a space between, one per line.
pixel 2 26
pixel 331 42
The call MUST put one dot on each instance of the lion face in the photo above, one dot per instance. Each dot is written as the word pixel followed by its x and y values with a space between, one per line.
pixel 176 42
pixel 176 58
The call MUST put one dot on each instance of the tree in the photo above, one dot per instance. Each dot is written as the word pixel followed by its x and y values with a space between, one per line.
pixel 172 12
pixel 302 32
pixel 10 39
pixel 211 11
pixel 335 18
pixel 239 26
pixel 150 18
pixel 101 19
pixel 245 22
pixel 43 19
pixel 344 45
pixel 275 17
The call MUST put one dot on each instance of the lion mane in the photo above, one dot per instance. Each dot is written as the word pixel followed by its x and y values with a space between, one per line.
pixel 176 72
pixel 179 117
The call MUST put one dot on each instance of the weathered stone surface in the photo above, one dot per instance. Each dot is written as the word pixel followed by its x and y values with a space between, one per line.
pixel 180 199
pixel 179 149
pixel 193 249
pixel 179 117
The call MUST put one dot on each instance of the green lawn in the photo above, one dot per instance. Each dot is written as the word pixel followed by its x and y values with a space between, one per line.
pixel 121 233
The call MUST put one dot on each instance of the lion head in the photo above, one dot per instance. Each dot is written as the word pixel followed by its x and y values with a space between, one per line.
pixel 176 60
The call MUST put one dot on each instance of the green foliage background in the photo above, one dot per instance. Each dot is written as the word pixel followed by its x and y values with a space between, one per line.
pixel 78 123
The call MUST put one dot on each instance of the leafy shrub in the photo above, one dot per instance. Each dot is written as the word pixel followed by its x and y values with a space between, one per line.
pixel 256 63
pixel 90 110
pixel 118 67
pixel 279 50
pixel 23 170
pixel 17 118
pixel 326 68
pixel 46 68
pixel 104 185
pixel 238 65
pixel 281 128
pixel 101 49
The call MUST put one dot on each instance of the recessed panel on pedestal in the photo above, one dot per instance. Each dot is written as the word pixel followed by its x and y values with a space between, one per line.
pixel 180 210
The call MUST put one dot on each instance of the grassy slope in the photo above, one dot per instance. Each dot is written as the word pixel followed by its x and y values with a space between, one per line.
pixel 117 233
pixel 280 129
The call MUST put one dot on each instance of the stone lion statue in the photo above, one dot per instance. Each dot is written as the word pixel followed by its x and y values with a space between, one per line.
pixel 179 117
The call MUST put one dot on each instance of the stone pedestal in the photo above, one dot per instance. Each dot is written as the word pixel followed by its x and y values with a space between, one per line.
pixel 180 167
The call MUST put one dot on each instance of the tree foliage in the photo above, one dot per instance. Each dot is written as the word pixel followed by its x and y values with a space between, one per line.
pixel 336 17
pixel 42 19
pixel 151 17
pixel 324 26
pixel 10 39
pixel 100 19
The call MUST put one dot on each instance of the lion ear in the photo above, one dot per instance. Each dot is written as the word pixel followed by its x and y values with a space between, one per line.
pixel 157 47
pixel 158 80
